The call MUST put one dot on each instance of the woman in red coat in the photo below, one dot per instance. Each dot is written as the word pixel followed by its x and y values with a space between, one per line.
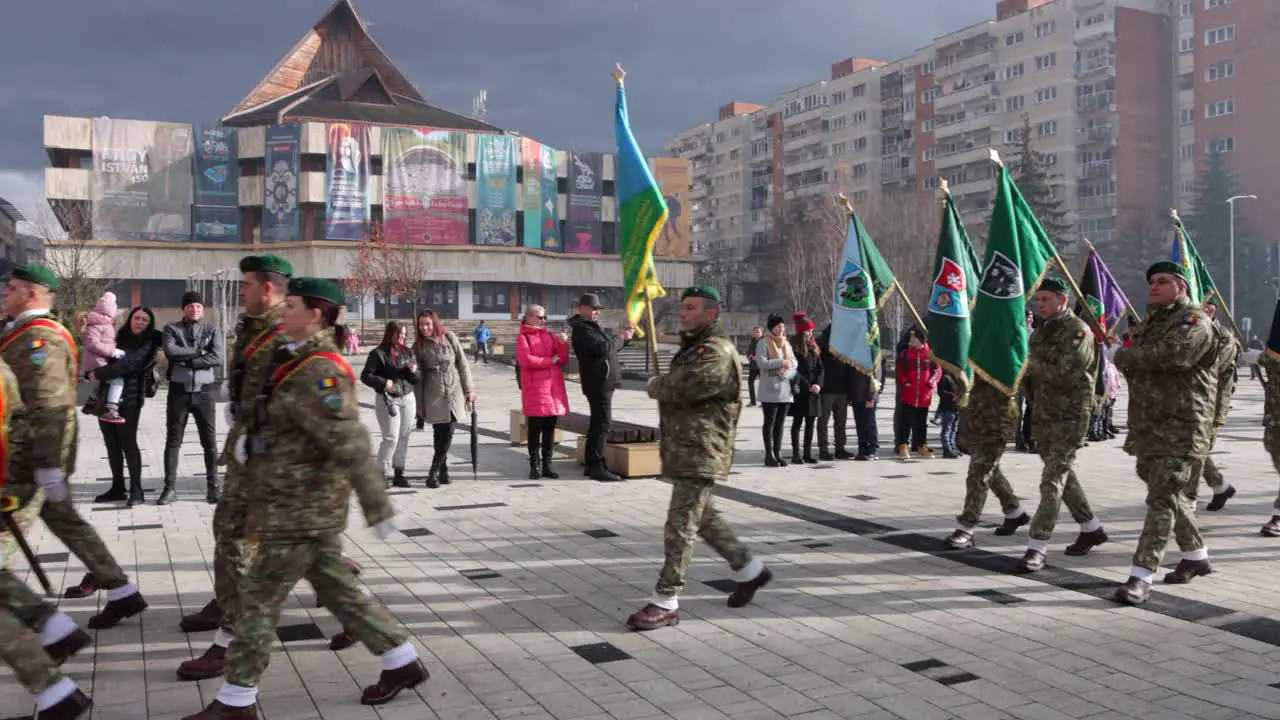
pixel 916 375
pixel 542 357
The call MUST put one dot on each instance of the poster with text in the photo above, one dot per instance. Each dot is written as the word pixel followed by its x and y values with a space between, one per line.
pixel 531 192
pixel 551 200
pixel 280 216
pixel 673 176
pixel 585 204
pixel 497 194
pixel 425 186
pixel 216 170
pixel 347 210
pixel 215 224
pixel 141 182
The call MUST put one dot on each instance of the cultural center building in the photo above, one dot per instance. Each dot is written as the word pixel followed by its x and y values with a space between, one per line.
pixel 336 147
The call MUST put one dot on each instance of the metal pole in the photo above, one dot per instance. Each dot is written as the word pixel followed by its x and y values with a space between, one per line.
pixel 1231 245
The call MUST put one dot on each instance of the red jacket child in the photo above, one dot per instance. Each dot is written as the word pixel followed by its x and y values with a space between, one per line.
pixel 917 376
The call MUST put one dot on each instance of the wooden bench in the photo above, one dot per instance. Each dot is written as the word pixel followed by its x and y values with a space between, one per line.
pixel 520 429
pixel 630 450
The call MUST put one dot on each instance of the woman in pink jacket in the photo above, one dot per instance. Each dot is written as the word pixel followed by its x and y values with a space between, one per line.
pixel 542 357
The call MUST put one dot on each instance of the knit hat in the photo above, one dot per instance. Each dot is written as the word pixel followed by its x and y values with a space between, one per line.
pixel 191 297
pixel 773 322
pixel 802 322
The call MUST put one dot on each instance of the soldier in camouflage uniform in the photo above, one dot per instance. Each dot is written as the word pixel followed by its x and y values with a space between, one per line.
pixel 306 451
pixel 43 357
pixel 1173 390
pixel 1062 365
pixel 987 424
pixel 35 639
pixel 699 401
pixel 1228 357
pixel 1269 363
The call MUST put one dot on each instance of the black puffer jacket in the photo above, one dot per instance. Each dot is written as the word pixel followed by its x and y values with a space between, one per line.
pixel 379 368
pixel 597 352
pixel 134 367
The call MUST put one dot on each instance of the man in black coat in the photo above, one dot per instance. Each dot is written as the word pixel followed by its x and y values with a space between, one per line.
pixel 753 370
pixel 864 398
pixel 597 352
pixel 836 387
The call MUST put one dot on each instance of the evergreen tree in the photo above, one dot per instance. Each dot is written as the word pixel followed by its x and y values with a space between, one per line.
pixel 1030 174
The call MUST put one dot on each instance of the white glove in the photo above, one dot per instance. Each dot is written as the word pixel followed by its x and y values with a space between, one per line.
pixel 648 387
pixel 53 482
pixel 225 389
pixel 242 453
pixel 231 415
pixel 385 529
pixel 117 353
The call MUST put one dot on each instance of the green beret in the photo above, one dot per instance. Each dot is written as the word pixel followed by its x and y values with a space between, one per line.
pixel 317 288
pixel 266 263
pixel 1054 285
pixel 701 291
pixel 1167 267
pixel 36 273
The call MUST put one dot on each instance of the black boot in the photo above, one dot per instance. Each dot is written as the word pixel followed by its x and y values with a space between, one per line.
pixel 548 451
pixel 444 471
pixel 116 493
pixel 167 495
pixel 808 447
pixel 211 477
pixel 433 475
pixel 769 460
pixel 535 444
pixel 135 493
pixel 399 479
pixel 211 491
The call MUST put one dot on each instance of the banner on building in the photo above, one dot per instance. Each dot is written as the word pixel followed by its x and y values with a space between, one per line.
pixel 673 176
pixel 497 196
pixel 551 200
pixel 216 170
pixel 531 192
pixel 280 216
pixel 347 210
pixel 425 186
pixel 215 224
pixel 141 183
pixel 585 204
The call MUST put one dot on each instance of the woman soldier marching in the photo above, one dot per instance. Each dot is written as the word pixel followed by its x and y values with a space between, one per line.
pixel 307 450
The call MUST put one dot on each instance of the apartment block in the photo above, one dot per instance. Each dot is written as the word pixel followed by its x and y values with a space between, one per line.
pixel 875 127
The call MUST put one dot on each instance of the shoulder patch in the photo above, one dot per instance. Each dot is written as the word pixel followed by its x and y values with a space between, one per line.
pixel 327 382
pixel 1190 319
pixel 36 344
pixel 1080 334
pixel 38 357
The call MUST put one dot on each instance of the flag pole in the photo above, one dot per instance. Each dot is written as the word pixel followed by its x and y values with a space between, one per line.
pixel 1128 305
pixel 1222 302
pixel 848 207
pixel 652 340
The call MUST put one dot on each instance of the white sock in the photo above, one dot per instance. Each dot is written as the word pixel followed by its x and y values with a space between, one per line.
pixel 964 529
pixel 1225 487
pixel 750 571
pixel 1141 573
pixel 1091 525
pixel 1040 546
pixel 55 693
pixel 1201 554
pixel 398 657
pixel 237 695
pixel 122 592
pixel 56 628
pixel 1014 514
pixel 666 602
pixel 222 638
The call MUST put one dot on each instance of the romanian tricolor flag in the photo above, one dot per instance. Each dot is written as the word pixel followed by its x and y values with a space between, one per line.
pixel 642 211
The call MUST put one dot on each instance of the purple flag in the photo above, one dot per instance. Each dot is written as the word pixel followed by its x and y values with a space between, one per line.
pixel 1103 294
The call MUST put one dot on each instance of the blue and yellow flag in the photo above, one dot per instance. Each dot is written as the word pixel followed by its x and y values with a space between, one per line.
pixel 642 211
pixel 858 296
pixel 1200 286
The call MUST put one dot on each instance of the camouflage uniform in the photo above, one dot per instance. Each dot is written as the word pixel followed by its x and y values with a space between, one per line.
pixel 1173 391
pixel 699 401
pixel 307 451
pixel 1228 355
pixel 1062 365
pixel 987 424
pixel 46 366
pixel 1270 364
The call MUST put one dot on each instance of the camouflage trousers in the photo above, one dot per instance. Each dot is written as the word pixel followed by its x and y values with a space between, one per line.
pixel 1170 480
pixel 689 516
pixel 985 475
pixel 1212 475
pixel 273 569
pixel 228 543
pixel 64 521
pixel 22 614
pixel 26 518
pixel 1058 485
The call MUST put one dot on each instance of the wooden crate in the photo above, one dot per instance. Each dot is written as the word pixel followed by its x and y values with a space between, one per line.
pixel 633 459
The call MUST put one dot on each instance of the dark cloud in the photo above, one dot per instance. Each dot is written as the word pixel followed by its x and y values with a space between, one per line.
pixel 545 64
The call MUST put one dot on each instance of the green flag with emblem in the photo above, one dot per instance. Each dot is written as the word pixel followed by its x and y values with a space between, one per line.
pixel 955 276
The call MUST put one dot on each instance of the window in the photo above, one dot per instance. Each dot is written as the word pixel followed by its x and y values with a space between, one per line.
pixel 1219 35
pixel 1013 104
pixel 1219 108
pixel 1044 62
pixel 1184 9
pixel 1013 71
pixel 1187 187
pixel 1013 39
pixel 839 97
pixel 931 183
pixel 928 67
pixel 838 123
pixel 839 149
pixel 1012 137
pixel 1049 127
pixel 928 154
pixel 1044 95
pixel 1221 144
pixel 1187 43
pixel 1187 151
pixel 1046 28
pixel 1220 71
pixel 928 96
pixel 860 90
pixel 927 125
pixel 860 144
pixel 860 170
pixel 859 117
pixel 1211 4
pixel 1188 116
pixel 489 297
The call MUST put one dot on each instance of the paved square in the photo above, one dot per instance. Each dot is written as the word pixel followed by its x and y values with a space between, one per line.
pixel 516 592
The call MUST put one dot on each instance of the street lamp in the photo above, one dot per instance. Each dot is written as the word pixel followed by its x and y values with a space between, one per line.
pixel 1231 245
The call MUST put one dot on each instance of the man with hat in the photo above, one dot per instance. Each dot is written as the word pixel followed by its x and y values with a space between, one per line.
pixel 194 350
pixel 1229 351
pixel 597 352
pixel 1171 369
pixel 1062 366
pixel 699 401
pixel 42 355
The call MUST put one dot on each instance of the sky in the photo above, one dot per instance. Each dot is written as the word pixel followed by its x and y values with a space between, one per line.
pixel 545 64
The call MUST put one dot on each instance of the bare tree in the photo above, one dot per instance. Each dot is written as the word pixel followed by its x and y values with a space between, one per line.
pixel 85 268
pixel 806 254
pixel 906 230
pixel 407 269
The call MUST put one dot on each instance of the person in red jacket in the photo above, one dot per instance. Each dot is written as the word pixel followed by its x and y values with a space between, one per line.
pixel 916 375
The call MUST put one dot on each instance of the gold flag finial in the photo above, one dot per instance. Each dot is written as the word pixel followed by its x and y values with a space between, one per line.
pixel 1088 245
pixel 944 186
pixel 1173 213
pixel 995 156
pixel 844 201
pixel 618 73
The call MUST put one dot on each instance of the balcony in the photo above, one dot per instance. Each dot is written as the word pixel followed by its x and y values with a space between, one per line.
pixel 66 183
pixel 969 93
pixel 1096 203
pixel 1093 65
pixel 1101 135
pixel 980 59
pixel 1097 101
pixel 1096 30
pixel 977 153
pixel 68 133
pixel 1095 170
